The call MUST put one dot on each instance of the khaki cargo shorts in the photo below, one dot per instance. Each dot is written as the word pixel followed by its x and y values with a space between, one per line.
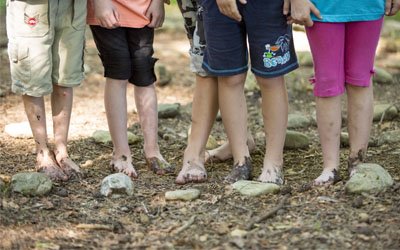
pixel 46 43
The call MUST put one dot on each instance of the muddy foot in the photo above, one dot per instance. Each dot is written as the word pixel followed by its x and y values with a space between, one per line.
pixel 352 162
pixel 123 165
pixel 327 178
pixel 70 168
pixel 271 173
pixel 223 152
pixel 240 172
pixel 47 164
pixel 159 166
pixel 191 172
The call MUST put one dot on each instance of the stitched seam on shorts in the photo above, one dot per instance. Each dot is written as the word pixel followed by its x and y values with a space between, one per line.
pixel 293 65
pixel 224 70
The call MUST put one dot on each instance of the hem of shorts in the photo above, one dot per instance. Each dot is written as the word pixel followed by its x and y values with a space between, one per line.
pixel 69 84
pixel 277 73
pixel 28 93
pixel 327 95
pixel 358 82
pixel 224 72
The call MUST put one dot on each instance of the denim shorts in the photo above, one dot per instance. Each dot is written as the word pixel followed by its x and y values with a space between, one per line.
pixel 263 34
pixel 126 53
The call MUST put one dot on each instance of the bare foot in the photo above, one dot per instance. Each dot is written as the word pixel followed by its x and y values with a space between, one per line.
pixel 240 172
pixel 223 152
pixel 46 164
pixel 159 166
pixel 123 164
pixel 271 173
pixel 69 167
pixel 352 162
pixel 328 177
pixel 192 171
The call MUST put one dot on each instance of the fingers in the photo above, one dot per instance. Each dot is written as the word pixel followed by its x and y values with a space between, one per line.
pixel 388 7
pixel 229 9
pixel 286 7
pixel 395 7
pixel 315 11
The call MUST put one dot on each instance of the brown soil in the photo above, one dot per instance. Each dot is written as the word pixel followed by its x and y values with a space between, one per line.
pixel 74 216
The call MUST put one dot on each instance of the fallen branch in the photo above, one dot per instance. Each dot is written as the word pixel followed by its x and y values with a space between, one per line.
pixel 186 225
pixel 270 214
pixel 95 227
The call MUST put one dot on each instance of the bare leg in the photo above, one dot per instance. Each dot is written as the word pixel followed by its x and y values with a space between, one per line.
pixel 116 111
pixel 35 111
pixel 234 116
pixel 329 123
pixel 61 105
pixel 204 111
pixel 146 103
pixel 360 114
pixel 275 115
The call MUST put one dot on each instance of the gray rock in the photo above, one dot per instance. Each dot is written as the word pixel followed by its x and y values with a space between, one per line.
pixel 186 195
pixel 255 188
pixel 381 76
pixel 211 143
pixel 390 136
pixel 116 185
pixel 295 140
pixel 369 178
pixel 168 110
pixel 32 184
pixel 389 110
pixel 298 121
pixel 163 75
pixel 344 139
pixel 305 59
pixel 251 83
pixel 103 136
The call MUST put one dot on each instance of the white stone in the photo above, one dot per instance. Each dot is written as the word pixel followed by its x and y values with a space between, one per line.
pixel 32 183
pixel 255 188
pixel 186 195
pixel 369 177
pixel 116 185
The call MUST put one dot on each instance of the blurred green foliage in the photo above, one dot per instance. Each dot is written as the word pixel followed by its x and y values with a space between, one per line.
pixel 2 3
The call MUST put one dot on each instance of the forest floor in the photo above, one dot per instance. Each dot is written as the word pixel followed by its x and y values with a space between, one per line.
pixel 75 216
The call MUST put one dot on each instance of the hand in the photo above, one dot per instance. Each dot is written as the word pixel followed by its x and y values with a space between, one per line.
pixel 392 7
pixel 229 8
pixel 301 12
pixel 155 13
pixel 106 13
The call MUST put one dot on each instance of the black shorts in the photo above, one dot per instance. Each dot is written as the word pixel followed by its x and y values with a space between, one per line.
pixel 126 53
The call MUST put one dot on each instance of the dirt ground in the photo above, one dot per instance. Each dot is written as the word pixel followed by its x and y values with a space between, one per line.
pixel 75 216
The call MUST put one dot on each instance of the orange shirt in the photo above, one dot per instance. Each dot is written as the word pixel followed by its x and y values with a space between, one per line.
pixel 131 13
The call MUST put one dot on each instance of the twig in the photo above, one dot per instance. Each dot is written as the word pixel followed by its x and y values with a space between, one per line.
pixel 95 227
pixel 186 225
pixel 270 213
pixel 147 211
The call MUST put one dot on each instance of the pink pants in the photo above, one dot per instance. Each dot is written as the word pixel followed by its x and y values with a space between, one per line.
pixel 343 53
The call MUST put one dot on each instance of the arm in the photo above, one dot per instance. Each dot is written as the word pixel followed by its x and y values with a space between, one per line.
pixel 155 13
pixel 392 7
pixel 106 13
pixel 229 8
pixel 301 12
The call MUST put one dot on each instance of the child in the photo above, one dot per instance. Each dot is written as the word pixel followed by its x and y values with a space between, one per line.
pixel 46 42
pixel 123 32
pixel 343 44
pixel 205 102
pixel 228 24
